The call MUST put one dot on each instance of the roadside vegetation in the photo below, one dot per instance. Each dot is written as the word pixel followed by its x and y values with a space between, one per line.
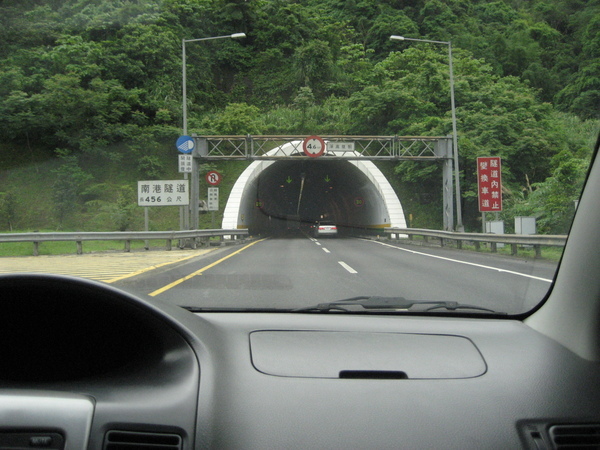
pixel 90 92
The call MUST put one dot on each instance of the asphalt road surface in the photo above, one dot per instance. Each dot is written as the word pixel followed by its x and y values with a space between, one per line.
pixel 303 271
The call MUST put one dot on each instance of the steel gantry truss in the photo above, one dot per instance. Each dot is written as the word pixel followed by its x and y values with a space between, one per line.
pixel 365 147
pixel 374 148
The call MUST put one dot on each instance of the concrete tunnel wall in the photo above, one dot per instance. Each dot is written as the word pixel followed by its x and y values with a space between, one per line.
pixel 382 206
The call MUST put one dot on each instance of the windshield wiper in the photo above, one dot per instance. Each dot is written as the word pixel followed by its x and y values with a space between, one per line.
pixel 199 309
pixel 358 304
pixel 381 304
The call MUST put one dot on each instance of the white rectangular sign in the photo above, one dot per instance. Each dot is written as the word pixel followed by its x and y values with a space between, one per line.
pixel 333 146
pixel 213 198
pixel 163 193
pixel 185 163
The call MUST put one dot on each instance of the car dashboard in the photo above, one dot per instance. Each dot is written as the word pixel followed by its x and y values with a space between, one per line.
pixel 85 365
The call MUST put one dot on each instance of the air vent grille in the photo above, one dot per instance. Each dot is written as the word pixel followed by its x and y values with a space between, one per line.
pixel 581 437
pixel 135 440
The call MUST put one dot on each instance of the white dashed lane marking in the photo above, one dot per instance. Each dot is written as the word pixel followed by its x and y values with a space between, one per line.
pixel 347 267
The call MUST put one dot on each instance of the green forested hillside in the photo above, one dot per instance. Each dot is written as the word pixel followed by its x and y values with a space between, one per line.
pixel 93 89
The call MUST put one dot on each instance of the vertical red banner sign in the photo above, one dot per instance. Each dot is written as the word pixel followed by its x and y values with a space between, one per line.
pixel 489 184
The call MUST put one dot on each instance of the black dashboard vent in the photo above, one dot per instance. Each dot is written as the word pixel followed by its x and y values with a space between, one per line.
pixel 583 437
pixel 135 440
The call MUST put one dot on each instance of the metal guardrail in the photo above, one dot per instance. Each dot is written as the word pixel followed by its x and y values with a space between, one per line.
pixel 514 240
pixel 201 237
pixel 194 237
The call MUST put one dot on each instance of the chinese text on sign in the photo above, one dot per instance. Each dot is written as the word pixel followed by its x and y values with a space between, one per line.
pixel 489 184
pixel 185 163
pixel 163 193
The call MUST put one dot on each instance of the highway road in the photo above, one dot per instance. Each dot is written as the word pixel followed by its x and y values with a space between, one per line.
pixel 302 271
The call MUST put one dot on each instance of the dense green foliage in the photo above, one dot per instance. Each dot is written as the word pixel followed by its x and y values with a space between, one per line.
pixel 96 85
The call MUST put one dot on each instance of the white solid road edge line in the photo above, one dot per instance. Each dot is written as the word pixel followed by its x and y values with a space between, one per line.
pixel 464 262
pixel 347 267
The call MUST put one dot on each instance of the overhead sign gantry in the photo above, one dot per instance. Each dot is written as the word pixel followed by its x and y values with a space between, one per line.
pixel 250 147
pixel 328 147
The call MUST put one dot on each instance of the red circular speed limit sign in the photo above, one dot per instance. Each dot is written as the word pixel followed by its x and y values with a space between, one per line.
pixel 213 178
pixel 313 146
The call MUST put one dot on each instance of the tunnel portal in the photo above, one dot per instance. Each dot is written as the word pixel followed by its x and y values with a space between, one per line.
pixel 275 196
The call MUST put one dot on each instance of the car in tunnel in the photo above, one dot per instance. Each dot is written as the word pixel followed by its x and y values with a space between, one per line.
pixel 325 229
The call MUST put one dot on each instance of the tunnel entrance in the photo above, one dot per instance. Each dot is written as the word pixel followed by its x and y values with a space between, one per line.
pixel 286 187
pixel 295 193
pixel 291 195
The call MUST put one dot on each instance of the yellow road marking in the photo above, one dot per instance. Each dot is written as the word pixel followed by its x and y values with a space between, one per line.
pixel 106 267
pixel 132 274
pixel 199 272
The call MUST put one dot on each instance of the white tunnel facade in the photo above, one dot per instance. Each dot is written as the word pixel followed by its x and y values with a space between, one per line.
pixel 351 193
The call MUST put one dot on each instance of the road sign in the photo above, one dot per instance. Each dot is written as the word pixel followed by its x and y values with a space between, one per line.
pixel 313 146
pixel 213 198
pixel 185 163
pixel 185 144
pixel 489 184
pixel 213 178
pixel 359 201
pixel 163 193
pixel 340 146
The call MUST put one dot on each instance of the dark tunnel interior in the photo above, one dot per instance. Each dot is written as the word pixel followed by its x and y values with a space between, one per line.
pixel 294 195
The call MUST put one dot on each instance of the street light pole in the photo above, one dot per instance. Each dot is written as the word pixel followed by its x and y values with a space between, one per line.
pixel 184 219
pixel 459 223
pixel 184 73
pixel 184 86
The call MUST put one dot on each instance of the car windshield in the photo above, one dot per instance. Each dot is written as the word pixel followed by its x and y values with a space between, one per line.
pixel 374 157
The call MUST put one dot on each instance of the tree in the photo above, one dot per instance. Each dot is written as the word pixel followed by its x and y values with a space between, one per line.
pixel 314 66
pixel 552 201
pixel 119 211
pixel 69 182
pixel 8 208
pixel 236 118
pixel 303 101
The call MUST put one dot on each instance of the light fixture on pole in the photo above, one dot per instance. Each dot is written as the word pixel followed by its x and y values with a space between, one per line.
pixel 192 208
pixel 183 68
pixel 459 223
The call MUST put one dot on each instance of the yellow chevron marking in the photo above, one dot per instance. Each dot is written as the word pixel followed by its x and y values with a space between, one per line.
pixel 106 267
